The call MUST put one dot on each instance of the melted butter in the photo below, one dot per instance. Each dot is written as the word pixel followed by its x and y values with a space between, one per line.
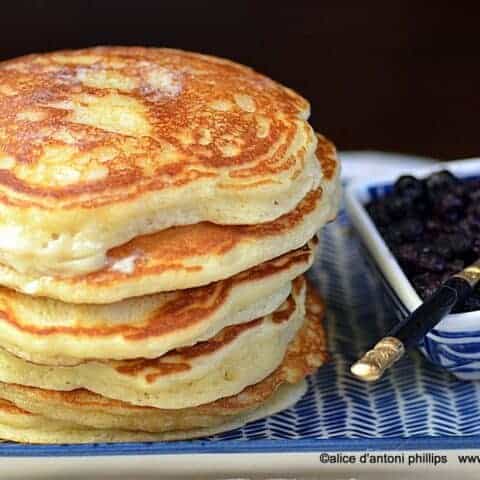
pixel 125 265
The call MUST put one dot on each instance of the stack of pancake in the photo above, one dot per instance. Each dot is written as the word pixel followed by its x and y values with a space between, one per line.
pixel 158 209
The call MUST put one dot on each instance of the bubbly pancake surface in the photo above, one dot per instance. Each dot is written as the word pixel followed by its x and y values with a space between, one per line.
pixel 101 145
pixel 238 356
pixel 193 255
pixel 51 332
pixel 307 352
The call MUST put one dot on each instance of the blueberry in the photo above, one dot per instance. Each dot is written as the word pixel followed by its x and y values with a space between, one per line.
pixel 392 236
pixel 417 258
pixel 441 181
pixel 409 187
pixel 425 247
pixel 398 207
pixel 452 245
pixel 422 208
pixel 378 211
pixel 476 246
pixel 454 266
pixel 443 246
pixel 461 244
pixel 431 262
pixel 449 207
pixel 473 212
pixel 473 219
pixel 460 190
pixel 410 228
pixel 463 228
pixel 434 225
pixel 472 190
pixel 426 284
pixel 407 253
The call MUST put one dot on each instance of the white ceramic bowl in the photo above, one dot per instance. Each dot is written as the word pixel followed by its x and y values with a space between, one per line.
pixel 455 342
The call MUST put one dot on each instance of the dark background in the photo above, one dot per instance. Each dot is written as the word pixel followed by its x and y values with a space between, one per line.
pixel 389 75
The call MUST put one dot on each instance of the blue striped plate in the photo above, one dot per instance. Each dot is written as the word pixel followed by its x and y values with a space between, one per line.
pixel 415 406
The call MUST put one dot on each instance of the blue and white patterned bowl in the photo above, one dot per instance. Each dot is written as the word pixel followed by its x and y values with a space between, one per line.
pixel 455 342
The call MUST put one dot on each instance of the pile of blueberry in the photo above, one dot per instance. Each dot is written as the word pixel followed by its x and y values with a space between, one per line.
pixel 432 226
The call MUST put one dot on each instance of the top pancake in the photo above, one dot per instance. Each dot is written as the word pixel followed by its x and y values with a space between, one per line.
pixel 101 145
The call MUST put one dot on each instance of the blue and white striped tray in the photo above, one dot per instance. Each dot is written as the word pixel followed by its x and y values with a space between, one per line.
pixel 416 405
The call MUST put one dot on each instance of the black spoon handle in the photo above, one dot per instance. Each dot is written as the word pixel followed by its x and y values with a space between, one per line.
pixel 431 311
pixel 408 333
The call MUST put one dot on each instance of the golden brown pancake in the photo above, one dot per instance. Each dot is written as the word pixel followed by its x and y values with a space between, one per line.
pixel 237 356
pixel 51 332
pixel 306 353
pixel 21 426
pixel 193 255
pixel 101 145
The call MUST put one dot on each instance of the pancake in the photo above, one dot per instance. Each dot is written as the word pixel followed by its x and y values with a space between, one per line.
pixel 99 146
pixel 306 352
pixel 238 356
pixel 191 256
pixel 21 426
pixel 51 332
